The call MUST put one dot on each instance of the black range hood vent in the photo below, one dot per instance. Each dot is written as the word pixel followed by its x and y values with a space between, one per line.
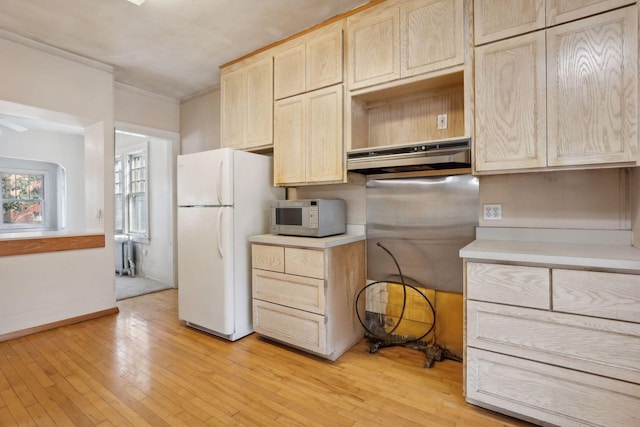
pixel 455 154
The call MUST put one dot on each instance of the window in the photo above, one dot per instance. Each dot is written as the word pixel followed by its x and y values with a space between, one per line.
pixel 22 199
pixel 32 195
pixel 131 201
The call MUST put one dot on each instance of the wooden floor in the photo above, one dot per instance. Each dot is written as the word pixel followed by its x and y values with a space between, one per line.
pixel 143 367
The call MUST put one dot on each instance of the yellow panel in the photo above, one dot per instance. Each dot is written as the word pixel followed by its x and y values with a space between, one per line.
pixel 449 321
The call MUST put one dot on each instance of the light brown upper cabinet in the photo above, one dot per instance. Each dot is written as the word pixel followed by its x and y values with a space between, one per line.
pixel 308 138
pixel 561 97
pixel 398 39
pixel 561 11
pixel 309 62
pixel 592 92
pixel 510 104
pixel 246 97
pixel 500 19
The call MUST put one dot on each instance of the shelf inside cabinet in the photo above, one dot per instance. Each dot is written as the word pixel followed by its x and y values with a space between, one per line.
pixel 408 113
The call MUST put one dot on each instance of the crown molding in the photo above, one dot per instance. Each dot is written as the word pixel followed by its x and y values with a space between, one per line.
pixel 43 47
pixel 144 92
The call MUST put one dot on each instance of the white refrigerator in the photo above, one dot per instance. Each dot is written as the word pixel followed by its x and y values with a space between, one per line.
pixel 224 197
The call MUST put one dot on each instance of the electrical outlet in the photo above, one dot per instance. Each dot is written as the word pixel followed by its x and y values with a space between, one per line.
pixel 492 212
pixel 442 121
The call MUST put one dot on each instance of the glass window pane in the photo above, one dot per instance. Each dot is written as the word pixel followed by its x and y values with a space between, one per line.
pixel 119 214
pixel 138 214
pixel 22 212
pixel 7 186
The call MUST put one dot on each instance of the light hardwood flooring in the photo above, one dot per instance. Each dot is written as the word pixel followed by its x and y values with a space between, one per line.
pixel 143 367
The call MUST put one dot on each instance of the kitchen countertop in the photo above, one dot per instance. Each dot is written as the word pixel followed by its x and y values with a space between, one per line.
pixel 308 242
pixel 583 248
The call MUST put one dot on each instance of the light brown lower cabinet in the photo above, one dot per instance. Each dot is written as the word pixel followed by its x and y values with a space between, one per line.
pixel 574 361
pixel 305 297
pixel 553 394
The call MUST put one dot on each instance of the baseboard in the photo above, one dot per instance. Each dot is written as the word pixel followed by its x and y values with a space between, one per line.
pixel 53 325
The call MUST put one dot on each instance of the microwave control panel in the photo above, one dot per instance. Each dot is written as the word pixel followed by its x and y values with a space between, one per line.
pixel 313 216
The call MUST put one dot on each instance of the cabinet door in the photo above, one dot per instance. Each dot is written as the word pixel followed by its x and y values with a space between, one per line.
pixel 556 395
pixel 265 257
pixel 600 294
pixel 499 19
pixel 509 284
pixel 233 106
pixel 585 343
pixel 289 72
pixel 259 99
pixel 373 47
pixel 432 35
pixel 300 292
pixel 591 86
pixel 324 59
pixel 510 104
pixel 289 141
pixel 559 11
pixel 299 328
pixel 325 154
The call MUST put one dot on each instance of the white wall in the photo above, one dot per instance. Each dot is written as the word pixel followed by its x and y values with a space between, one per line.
pixel 581 199
pixel 44 288
pixel 200 123
pixel 353 193
pixel 65 149
pixel 143 108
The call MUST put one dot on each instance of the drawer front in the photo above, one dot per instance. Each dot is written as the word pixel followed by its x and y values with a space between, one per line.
pixel 601 346
pixel 304 262
pixel 299 292
pixel 267 257
pixel 549 393
pixel 295 327
pixel 509 284
pixel 590 293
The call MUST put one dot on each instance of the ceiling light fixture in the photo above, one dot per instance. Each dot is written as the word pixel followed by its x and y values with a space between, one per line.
pixel 137 2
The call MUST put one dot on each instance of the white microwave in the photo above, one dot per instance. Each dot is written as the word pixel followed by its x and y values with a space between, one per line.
pixel 310 217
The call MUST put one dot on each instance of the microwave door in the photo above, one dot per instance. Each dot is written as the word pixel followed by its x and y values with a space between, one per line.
pixel 289 216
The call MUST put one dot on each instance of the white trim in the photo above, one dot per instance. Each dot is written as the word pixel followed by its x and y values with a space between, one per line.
pixel 7 35
pixel 133 89
pixel 147 131
pixel 200 93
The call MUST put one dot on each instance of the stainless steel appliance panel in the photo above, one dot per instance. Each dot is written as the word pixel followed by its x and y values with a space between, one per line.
pixel 424 222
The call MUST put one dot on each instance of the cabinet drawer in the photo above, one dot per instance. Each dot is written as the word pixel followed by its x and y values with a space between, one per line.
pixel 299 292
pixel 295 327
pixel 267 257
pixel 549 393
pixel 509 284
pixel 304 262
pixel 590 293
pixel 602 346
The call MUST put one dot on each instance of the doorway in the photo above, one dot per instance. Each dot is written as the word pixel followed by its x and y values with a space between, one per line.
pixel 144 170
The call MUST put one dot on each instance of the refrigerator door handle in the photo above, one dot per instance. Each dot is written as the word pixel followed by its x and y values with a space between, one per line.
pixel 219 233
pixel 219 189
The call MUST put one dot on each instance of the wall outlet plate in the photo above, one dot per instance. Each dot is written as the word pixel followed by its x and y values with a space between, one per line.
pixel 492 212
pixel 442 121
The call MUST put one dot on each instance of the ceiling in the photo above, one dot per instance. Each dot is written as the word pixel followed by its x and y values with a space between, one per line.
pixel 168 47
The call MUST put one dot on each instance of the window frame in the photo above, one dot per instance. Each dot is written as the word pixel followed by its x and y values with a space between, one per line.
pixel 49 203
pixel 128 198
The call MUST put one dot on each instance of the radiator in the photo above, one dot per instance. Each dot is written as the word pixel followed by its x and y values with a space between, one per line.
pixel 124 256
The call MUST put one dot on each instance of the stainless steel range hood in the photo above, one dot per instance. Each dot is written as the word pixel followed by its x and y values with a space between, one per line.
pixel 432 156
